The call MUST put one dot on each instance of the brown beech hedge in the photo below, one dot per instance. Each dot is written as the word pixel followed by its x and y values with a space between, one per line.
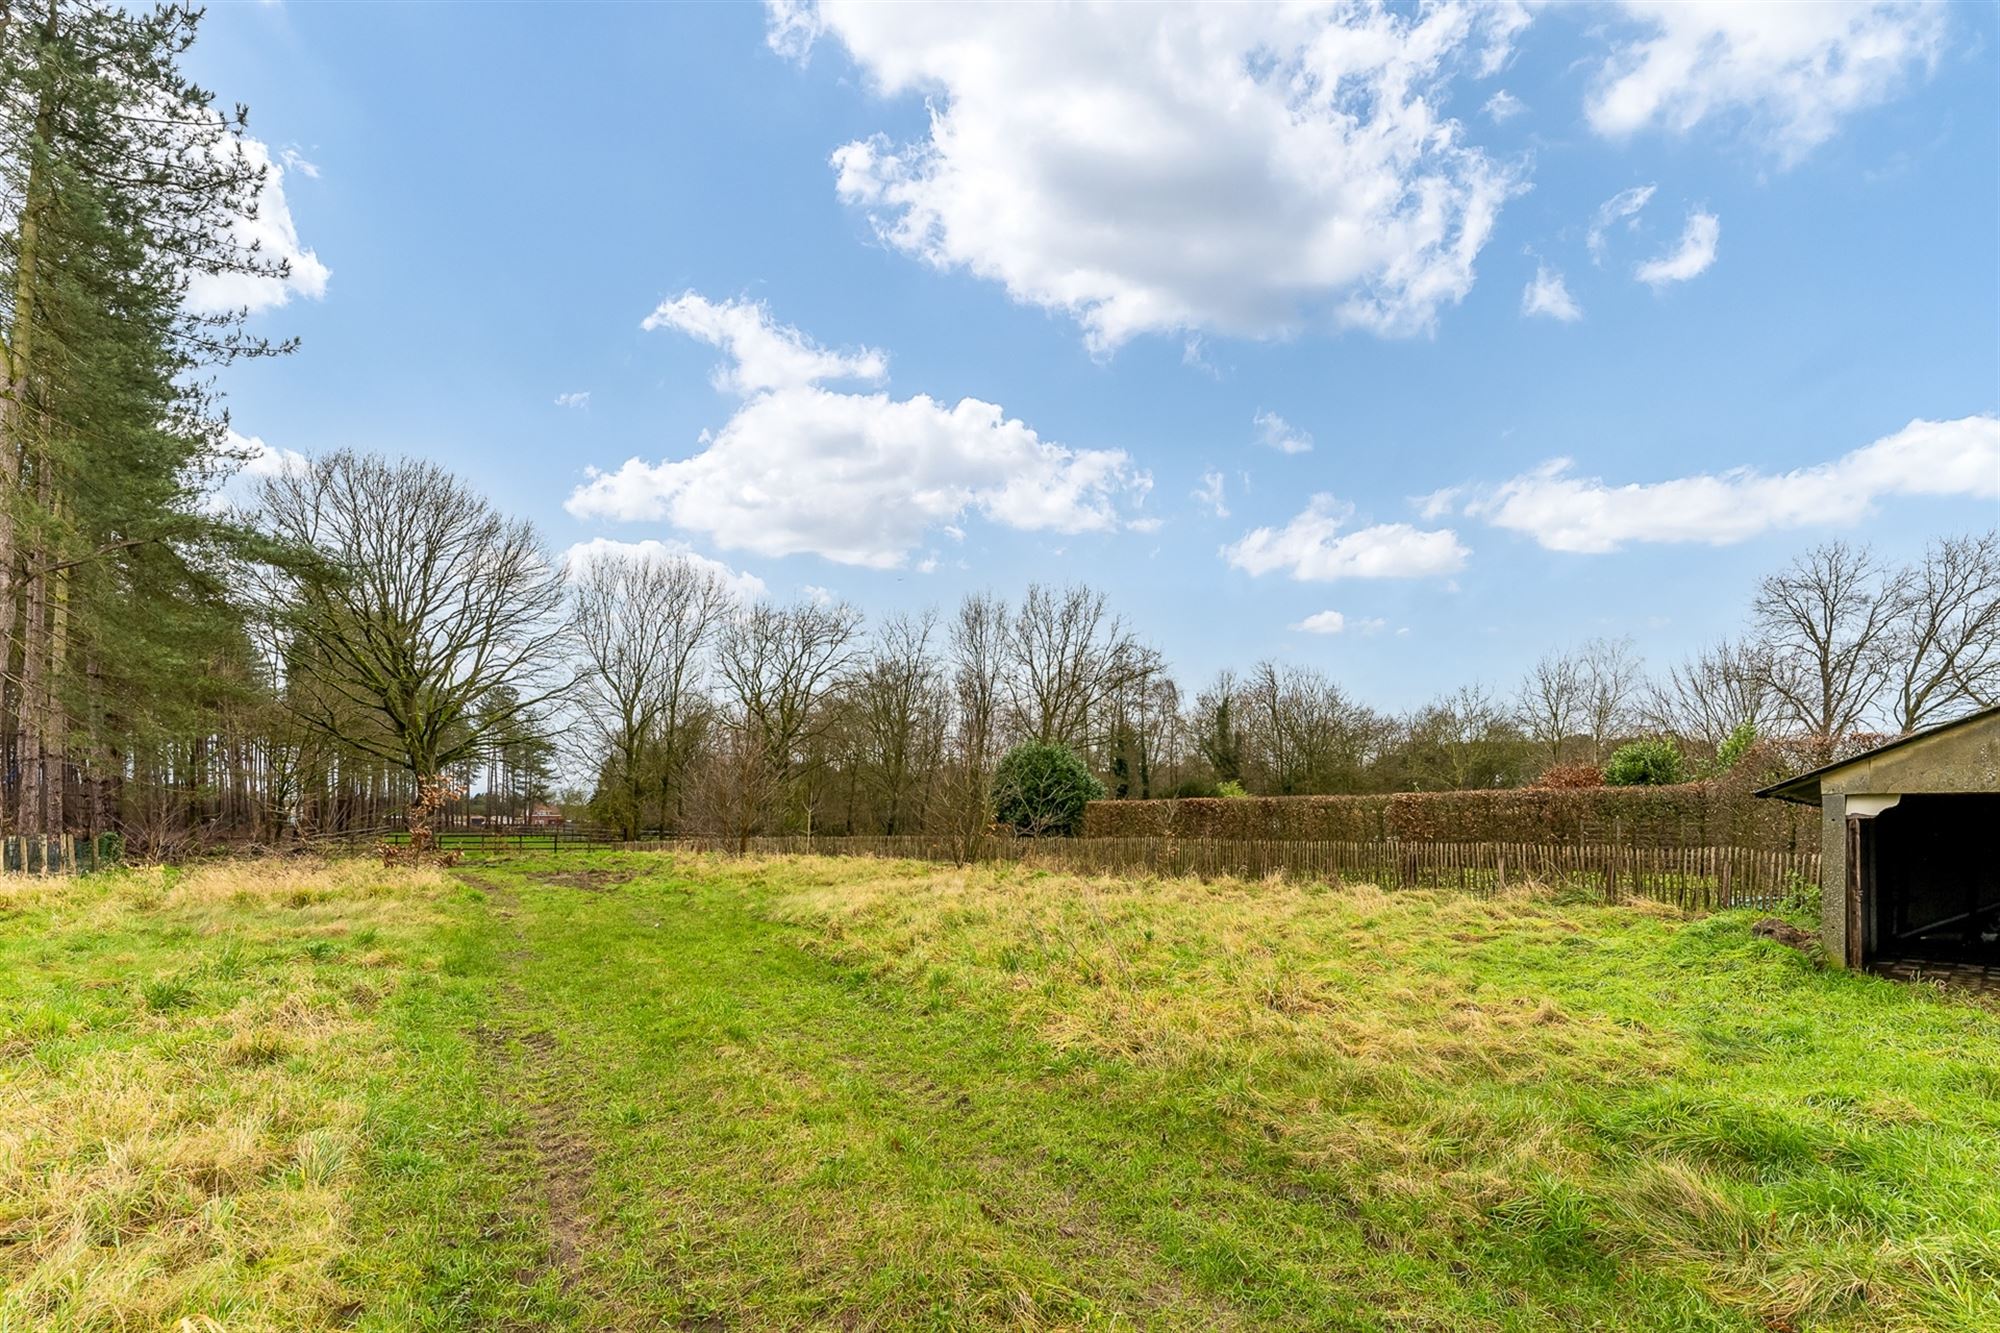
pixel 1694 814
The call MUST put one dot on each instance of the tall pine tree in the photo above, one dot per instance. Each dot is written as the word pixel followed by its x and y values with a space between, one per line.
pixel 122 181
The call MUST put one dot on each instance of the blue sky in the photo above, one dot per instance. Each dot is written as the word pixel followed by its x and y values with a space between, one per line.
pixel 1126 236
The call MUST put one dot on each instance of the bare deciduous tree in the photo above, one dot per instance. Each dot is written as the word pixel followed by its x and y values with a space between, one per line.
pixel 1552 702
pixel 1462 739
pixel 1217 724
pixel 1066 654
pixel 1705 698
pixel 778 665
pixel 1828 625
pixel 978 672
pixel 1586 692
pixel 643 625
pixel 1947 632
pixel 1144 733
pixel 1468 722
pixel 900 700
pixel 978 665
pixel 421 620
pixel 1301 732
pixel 1610 675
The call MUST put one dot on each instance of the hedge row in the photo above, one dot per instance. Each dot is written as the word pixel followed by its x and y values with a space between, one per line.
pixel 1695 814
pixel 1231 819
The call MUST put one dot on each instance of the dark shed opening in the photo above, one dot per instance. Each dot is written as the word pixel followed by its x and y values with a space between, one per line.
pixel 1930 880
pixel 1910 851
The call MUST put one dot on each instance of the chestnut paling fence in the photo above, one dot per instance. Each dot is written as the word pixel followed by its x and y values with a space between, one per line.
pixel 1698 878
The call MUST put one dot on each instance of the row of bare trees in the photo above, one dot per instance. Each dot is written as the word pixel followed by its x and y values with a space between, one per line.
pixel 792 717
pixel 689 710
pixel 1839 646
pixel 694 711
pixel 371 635
pixel 411 646
pixel 1845 642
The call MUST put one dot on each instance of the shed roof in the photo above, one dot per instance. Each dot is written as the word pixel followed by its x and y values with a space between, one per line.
pixel 1805 788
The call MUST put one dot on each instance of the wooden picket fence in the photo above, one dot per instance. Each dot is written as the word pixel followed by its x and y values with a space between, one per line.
pixel 69 854
pixel 1695 878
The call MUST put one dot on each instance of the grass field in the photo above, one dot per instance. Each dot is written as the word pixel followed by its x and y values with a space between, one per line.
pixel 619 1091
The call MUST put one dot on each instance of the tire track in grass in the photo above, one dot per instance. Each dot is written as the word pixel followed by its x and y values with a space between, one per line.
pixel 559 1163
pixel 957 1190
pixel 545 1143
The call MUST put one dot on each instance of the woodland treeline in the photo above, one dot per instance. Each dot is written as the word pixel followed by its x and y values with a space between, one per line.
pixel 357 641
pixel 701 715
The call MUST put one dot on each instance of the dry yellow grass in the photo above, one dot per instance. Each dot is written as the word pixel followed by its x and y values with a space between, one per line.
pixel 180 1101
pixel 794 1092
pixel 1458 1063
pixel 1177 971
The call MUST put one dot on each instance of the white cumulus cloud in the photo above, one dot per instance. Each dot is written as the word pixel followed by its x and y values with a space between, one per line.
pixel 791 27
pixel 1547 294
pixel 274 236
pixel 1333 622
pixel 260 459
pixel 1313 548
pixel 254 460
pixel 1249 169
pixel 1691 258
pixel 581 398
pixel 1438 503
pixel 746 586
pixel 1564 512
pixel 761 353
pixel 1274 432
pixel 858 478
pixel 1791 71
pixel 1503 106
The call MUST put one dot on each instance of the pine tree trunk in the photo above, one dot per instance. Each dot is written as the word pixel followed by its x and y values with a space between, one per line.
pixel 55 708
pixel 15 609
pixel 34 651
pixel 97 777
pixel 14 456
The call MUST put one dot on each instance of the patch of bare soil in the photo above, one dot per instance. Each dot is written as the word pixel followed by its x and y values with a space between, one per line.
pixel 546 1150
pixel 1785 933
pixel 590 881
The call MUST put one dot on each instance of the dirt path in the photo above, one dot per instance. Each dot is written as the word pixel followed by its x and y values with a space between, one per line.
pixel 804 1134
pixel 544 1143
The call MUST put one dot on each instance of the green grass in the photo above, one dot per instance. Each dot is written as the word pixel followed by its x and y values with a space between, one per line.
pixel 543 841
pixel 633 1091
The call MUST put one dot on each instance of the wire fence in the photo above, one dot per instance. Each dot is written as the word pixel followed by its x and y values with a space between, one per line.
pixel 552 838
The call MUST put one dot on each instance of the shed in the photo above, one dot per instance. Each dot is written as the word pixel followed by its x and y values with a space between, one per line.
pixel 1910 847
